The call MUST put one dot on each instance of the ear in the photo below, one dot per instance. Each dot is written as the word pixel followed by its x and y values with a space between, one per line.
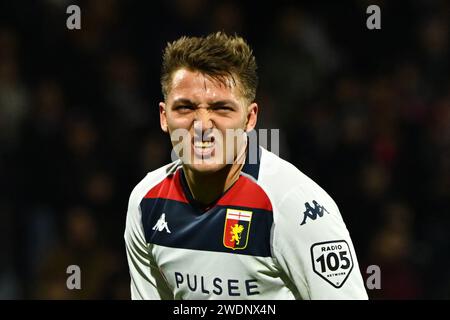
pixel 252 116
pixel 163 117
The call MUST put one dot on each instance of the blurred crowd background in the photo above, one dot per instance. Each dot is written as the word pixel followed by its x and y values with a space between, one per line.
pixel 364 113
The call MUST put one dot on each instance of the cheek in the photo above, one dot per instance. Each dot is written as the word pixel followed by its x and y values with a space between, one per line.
pixel 177 122
pixel 235 122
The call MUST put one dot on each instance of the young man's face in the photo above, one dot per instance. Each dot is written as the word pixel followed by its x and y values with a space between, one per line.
pixel 204 112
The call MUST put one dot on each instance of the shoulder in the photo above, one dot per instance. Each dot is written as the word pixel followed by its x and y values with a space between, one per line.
pixel 150 180
pixel 286 184
pixel 134 214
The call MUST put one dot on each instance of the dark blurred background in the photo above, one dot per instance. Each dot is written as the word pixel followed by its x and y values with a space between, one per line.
pixel 364 113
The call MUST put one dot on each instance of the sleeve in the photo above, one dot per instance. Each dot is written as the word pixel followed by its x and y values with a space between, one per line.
pixel 313 247
pixel 147 282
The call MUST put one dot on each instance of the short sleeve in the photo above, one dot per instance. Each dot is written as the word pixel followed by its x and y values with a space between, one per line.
pixel 313 247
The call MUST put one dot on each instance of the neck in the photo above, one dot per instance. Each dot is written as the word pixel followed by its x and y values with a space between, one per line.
pixel 208 187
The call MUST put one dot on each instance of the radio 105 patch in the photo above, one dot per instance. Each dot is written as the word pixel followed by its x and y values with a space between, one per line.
pixel 332 261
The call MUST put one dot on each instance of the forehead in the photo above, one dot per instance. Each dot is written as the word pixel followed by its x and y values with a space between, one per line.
pixel 199 87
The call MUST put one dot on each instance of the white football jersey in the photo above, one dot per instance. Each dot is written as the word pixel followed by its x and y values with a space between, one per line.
pixel 275 234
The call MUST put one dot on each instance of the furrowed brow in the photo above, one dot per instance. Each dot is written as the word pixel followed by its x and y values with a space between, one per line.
pixel 182 101
pixel 223 103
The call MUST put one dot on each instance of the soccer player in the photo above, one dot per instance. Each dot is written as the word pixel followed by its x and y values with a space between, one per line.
pixel 225 220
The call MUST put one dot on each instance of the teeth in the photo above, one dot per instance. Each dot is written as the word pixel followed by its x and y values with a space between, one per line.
pixel 203 144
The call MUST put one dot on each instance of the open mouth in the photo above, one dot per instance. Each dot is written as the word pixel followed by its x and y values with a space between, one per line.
pixel 203 148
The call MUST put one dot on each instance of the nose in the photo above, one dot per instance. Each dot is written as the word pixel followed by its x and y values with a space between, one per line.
pixel 203 121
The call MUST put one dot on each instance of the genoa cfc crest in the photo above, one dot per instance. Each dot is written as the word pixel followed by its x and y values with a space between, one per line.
pixel 237 229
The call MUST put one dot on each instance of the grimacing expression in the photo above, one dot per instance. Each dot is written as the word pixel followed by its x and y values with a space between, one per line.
pixel 206 110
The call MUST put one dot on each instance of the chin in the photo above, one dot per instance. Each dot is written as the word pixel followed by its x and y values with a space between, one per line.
pixel 205 168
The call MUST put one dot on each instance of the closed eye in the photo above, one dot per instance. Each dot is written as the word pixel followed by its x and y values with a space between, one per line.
pixel 184 108
pixel 222 108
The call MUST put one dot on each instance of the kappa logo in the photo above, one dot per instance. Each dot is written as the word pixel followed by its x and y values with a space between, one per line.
pixel 237 229
pixel 313 212
pixel 161 224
